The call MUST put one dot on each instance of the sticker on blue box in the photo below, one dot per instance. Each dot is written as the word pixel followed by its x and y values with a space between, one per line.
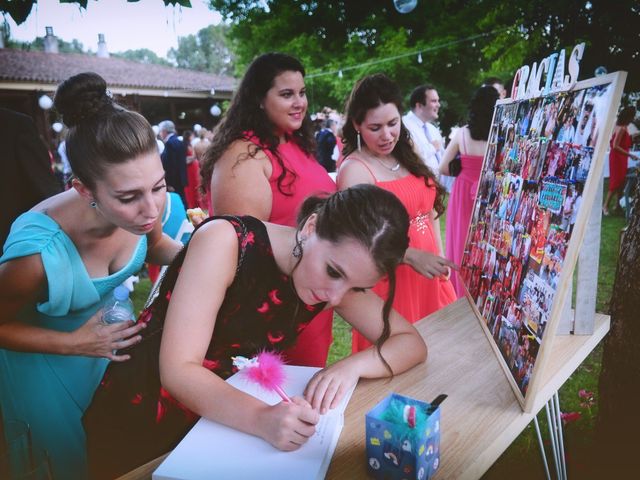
pixel 403 438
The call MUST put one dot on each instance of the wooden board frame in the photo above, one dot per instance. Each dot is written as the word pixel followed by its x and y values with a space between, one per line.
pixel 551 171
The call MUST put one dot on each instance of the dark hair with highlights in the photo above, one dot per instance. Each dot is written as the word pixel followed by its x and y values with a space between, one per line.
pixel 246 115
pixel 373 217
pixel 101 132
pixel 371 92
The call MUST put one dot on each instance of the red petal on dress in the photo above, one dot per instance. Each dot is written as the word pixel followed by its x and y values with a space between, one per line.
pixel 273 296
pixel 249 239
pixel 160 411
pixel 275 338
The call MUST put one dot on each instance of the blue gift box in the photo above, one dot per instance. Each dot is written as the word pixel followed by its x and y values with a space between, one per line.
pixel 395 451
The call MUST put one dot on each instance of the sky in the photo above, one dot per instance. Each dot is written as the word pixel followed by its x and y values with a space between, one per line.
pixel 126 26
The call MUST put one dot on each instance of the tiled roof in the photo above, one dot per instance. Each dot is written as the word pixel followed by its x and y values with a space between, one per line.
pixel 53 68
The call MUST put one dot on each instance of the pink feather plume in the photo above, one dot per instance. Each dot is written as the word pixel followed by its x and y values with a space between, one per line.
pixel 268 372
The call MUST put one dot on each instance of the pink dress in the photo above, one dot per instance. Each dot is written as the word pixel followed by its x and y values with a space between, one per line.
pixel 459 210
pixel 312 346
pixel 416 296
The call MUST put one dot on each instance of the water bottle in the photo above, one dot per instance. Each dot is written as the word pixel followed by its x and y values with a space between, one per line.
pixel 119 307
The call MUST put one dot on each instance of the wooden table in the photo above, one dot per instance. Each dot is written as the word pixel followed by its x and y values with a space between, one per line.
pixel 481 416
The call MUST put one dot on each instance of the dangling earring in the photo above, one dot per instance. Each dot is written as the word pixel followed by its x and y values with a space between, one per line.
pixel 93 204
pixel 358 141
pixel 297 248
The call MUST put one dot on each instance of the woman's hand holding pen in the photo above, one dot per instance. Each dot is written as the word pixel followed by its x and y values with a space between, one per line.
pixel 288 425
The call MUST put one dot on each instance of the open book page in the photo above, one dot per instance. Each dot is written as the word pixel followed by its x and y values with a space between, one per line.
pixel 213 451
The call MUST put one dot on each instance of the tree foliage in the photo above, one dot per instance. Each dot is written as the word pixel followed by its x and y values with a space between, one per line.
pixel 609 30
pixel 461 41
pixel 340 41
pixel 19 10
pixel 206 51
pixel 74 46
pixel 143 55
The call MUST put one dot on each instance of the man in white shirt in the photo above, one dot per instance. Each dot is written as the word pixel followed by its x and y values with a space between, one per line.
pixel 427 139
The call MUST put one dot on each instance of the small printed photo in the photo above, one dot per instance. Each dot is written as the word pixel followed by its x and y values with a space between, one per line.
pixel 523 119
pixel 584 128
pixel 556 160
pixel 584 163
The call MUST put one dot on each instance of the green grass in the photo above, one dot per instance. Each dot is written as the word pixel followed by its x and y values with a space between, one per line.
pixel 522 459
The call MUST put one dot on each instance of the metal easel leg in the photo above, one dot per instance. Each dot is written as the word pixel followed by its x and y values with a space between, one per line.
pixel 551 420
pixel 555 432
pixel 542 450
pixel 563 460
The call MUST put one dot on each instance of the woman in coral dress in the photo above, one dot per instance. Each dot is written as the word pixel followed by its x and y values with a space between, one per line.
pixel 379 151
pixel 470 142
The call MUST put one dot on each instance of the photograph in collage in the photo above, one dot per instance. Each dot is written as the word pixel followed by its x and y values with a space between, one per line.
pixel 529 195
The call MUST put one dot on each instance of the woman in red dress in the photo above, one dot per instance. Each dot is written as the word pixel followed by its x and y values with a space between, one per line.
pixel 193 172
pixel 619 156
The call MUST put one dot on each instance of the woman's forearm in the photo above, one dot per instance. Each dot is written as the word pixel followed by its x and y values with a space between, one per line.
pixel 21 337
pixel 207 395
pixel 401 351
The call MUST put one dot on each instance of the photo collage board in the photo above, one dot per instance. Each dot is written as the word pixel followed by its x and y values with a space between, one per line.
pixel 532 186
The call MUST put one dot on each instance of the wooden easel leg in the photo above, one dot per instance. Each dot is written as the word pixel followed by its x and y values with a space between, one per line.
pixel 588 259
pixel 567 318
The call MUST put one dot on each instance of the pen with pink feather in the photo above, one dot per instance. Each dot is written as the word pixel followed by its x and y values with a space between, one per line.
pixel 265 369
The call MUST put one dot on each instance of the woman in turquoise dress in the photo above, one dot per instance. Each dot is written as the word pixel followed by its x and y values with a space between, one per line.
pixel 62 260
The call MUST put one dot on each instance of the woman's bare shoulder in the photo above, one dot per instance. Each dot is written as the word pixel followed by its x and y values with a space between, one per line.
pixel 243 149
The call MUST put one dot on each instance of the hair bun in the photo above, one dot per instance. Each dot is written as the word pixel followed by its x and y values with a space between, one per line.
pixel 82 97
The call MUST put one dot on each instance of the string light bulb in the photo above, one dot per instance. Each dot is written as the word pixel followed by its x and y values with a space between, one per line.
pixel 45 102
pixel 419 57
pixel 339 73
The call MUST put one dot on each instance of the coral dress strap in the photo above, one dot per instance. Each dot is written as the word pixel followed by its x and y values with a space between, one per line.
pixel 356 159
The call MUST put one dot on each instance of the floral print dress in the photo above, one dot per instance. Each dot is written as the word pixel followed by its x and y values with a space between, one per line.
pixel 132 419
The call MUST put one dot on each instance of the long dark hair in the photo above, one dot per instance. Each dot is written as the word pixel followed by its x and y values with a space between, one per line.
pixel 101 132
pixel 373 217
pixel 246 115
pixel 626 116
pixel 368 93
pixel 481 112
